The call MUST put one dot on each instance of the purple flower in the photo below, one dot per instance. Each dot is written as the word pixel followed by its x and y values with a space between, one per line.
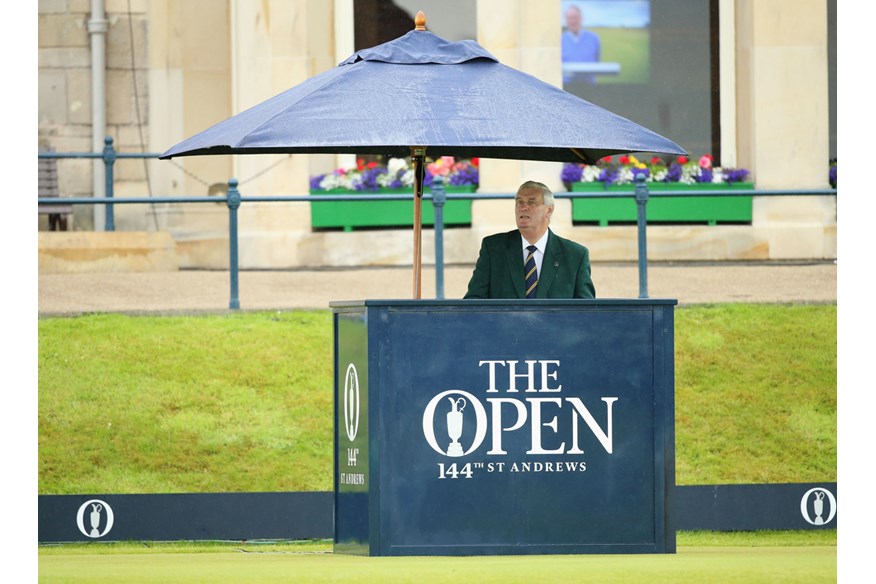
pixel 673 173
pixel 705 175
pixel 571 173
pixel 641 171
pixel 608 176
pixel 369 179
pixel 315 180
pixel 831 176
pixel 732 175
pixel 465 175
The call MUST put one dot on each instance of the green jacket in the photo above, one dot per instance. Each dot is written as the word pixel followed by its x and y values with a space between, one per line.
pixel 565 271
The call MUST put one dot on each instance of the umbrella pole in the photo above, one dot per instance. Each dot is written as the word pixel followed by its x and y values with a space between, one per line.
pixel 418 158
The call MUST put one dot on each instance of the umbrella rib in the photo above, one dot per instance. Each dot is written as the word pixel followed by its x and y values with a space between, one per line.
pixel 578 153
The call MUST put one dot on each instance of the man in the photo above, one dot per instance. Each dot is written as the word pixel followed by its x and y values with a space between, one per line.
pixel 578 45
pixel 557 267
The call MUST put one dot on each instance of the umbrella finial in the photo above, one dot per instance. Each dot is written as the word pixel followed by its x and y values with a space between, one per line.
pixel 420 21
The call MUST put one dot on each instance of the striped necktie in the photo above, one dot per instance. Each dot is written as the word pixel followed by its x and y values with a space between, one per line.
pixel 531 272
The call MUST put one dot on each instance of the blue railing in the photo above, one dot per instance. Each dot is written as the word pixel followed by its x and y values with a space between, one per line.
pixel 438 197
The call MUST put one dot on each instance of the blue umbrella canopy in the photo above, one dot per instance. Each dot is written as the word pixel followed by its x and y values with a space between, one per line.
pixel 420 90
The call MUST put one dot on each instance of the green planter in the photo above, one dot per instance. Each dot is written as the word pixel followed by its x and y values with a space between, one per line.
pixel 705 209
pixel 350 215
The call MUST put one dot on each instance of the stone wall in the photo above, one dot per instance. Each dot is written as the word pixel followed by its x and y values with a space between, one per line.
pixel 65 100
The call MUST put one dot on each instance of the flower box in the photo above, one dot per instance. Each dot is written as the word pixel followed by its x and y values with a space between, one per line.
pixel 681 174
pixel 687 209
pixel 350 215
pixel 395 177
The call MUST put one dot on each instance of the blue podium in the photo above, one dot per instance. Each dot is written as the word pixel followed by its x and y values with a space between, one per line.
pixel 491 427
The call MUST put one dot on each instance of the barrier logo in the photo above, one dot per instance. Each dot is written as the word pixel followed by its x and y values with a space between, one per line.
pixel 818 506
pixel 351 402
pixel 100 518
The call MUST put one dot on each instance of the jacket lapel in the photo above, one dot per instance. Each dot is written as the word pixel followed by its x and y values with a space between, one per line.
pixel 514 259
pixel 549 265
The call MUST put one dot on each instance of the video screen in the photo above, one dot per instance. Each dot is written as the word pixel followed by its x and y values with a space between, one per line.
pixel 605 42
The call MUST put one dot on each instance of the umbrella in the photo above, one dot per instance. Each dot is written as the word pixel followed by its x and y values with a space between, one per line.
pixel 421 93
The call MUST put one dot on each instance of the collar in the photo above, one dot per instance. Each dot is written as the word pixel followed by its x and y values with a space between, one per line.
pixel 541 244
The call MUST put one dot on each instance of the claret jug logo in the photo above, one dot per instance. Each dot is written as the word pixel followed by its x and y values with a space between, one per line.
pixel 818 506
pixel 353 473
pixel 456 422
pixel 458 400
pixel 351 402
pixel 99 513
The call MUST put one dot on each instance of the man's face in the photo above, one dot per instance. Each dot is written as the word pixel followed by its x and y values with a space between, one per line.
pixel 573 20
pixel 531 213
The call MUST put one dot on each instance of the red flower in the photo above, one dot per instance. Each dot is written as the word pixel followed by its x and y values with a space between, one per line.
pixel 656 160
pixel 371 165
pixel 683 159
pixel 604 160
pixel 624 159
pixel 360 164
pixel 475 161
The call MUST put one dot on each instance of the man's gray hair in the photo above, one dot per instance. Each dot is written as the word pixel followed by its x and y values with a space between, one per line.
pixel 545 191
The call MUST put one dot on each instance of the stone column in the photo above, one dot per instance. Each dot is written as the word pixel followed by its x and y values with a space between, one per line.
pixel 783 121
pixel 189 91
pixel 525 35
pixel 278 45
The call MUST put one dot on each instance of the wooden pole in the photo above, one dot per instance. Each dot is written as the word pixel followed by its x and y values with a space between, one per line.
pixel 418 159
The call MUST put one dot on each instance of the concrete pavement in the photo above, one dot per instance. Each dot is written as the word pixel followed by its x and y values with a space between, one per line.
pixel 203 290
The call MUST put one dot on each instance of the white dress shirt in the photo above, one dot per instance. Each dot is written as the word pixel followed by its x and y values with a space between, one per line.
pixel 539 252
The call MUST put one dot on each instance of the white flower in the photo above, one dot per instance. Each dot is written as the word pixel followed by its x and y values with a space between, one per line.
pixel 329 182
pixel 590 173
pixel 407 178
pixel 625 176
pixel 394 165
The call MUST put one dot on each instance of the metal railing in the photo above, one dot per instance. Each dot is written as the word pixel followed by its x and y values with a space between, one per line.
pixel 438 197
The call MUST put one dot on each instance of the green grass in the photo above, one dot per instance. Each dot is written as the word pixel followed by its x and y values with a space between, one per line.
pixel 795 556
pixel 702 539
pixel 689 566
pixel 243 402
pixel 756 394
pixel 185 404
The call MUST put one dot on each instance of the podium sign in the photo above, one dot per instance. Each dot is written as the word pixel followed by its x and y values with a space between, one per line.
pixel 476 427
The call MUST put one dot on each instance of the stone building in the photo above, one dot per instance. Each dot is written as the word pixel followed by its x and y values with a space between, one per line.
pixel 751 82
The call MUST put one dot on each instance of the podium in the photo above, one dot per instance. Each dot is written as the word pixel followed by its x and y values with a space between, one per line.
pixel 494 427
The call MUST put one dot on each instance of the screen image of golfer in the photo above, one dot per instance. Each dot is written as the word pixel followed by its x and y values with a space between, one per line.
pixel 606 42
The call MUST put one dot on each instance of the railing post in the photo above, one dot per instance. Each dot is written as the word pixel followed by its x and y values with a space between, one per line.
pixel 233 201
pixel 109 160
pixel 641 220
pixel 438 199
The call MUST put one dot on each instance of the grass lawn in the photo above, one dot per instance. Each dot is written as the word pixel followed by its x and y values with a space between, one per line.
pixel 142 404
pixel 243 402
pixel 799 557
